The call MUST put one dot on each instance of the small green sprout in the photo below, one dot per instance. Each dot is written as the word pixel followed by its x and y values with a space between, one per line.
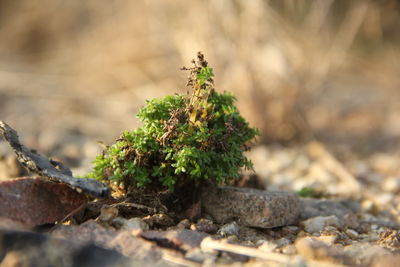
pixel 184 140
pixel 309 192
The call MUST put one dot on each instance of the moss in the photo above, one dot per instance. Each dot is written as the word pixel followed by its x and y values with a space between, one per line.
pixel 185 139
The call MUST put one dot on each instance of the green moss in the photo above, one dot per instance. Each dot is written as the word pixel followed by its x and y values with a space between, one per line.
pixel 184 139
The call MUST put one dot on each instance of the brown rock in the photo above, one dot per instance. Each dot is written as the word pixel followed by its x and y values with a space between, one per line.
pixel 251 207
pixel 35 201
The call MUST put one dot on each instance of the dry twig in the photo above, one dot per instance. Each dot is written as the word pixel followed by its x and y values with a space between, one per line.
pixel 51 169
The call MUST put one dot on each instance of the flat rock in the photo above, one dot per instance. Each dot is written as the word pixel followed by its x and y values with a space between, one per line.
pixel 251 207
pixel 36 201
pixel 317 224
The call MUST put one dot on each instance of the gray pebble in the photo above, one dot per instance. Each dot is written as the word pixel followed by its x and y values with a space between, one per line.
pixel 229 229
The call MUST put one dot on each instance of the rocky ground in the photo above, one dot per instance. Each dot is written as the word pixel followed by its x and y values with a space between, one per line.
pixel 347 214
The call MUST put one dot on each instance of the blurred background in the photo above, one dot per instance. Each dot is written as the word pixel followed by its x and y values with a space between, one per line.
pixel 74 72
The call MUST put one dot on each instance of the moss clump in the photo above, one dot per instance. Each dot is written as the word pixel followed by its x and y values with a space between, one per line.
pixel 184 140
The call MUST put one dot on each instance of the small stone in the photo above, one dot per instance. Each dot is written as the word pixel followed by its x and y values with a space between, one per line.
pixel 229 229
pixel 317 224
pixel 352 233
pixel 251 207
